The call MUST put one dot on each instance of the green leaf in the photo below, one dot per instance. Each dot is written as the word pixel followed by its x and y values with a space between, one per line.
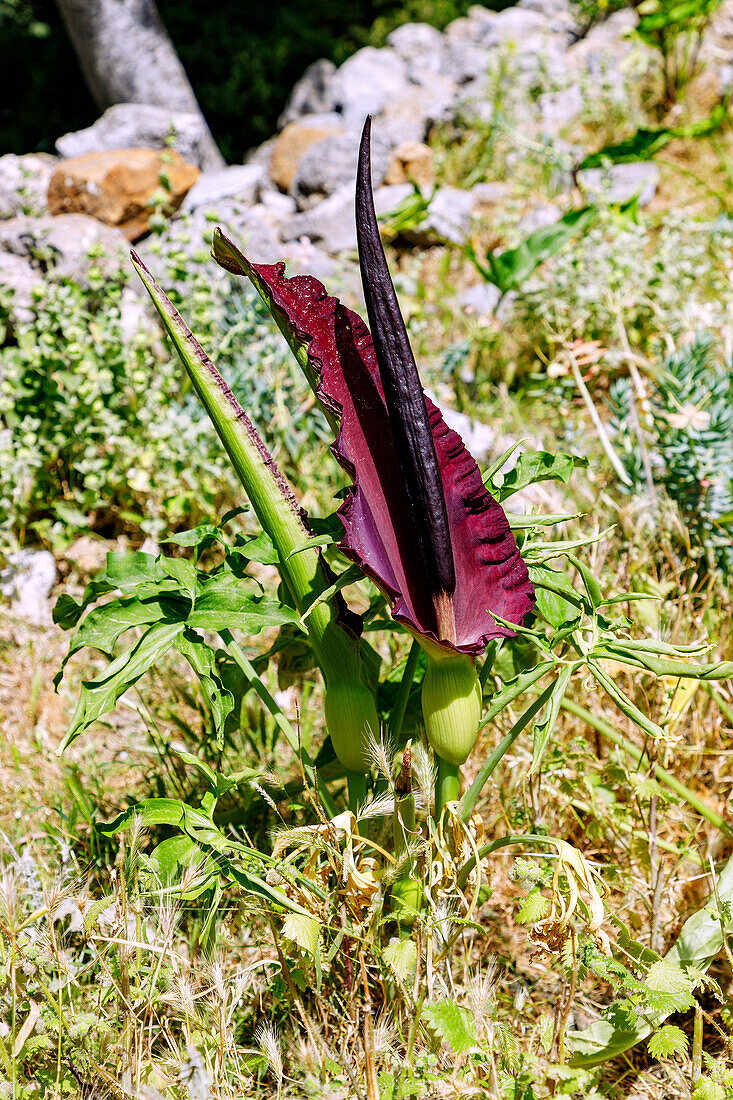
pixel 128 570
pixel 668 1042
pixel 543 730
pixel 533 908
pixel 104 625
pixel 223 603
pixel 671 987
pixel 100 695
pixel 202 660
pixel 303 930
pixel 204 533
pixel 401 958
pixel 700 940
pixel 182 571
pixel 556 599
pixel 179 859
pixel 623 702
pixel 452 1024
pixel 513 688
pixel 645 143
pixel 508 270
pixel 535 466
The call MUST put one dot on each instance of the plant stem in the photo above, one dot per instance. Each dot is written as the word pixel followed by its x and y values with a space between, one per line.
pixel 659 773
pixel 398 710
pixel 447 785
pixel 357 785
pixel 469 799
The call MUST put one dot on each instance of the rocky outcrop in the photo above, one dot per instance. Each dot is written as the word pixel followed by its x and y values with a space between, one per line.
pixel 121 187
pixel 141 125
pixel 24 183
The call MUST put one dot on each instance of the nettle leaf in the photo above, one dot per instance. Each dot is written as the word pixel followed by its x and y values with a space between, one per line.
pixel 202 660
pixel 303 930
pixel 451 1023
pixel 700 940
pixel 100 695
pixel 670 987
pixel 533 908
pixel 535 466
pixel 401 958
pixel 668 1042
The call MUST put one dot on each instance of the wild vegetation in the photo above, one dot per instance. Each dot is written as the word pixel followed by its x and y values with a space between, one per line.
pixel 207 893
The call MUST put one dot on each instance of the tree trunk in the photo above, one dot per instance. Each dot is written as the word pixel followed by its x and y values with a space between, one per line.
pixel 127 56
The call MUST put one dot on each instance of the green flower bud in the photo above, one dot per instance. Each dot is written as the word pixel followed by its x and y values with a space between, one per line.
pixel 451 706
pixel 351 718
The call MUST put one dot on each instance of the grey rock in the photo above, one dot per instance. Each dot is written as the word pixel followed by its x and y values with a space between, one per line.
pixel 472 27
pixel 488 195
pixel 449 218
pixel 620 182
pixel 539 215
pixel 24 183
pixel 558 14
pixel 139 125
pixel 421 47
pixel 465 61
pixel 27 582
pixel 605 45
pixel 480 299
pixel 526 29
pixel 388 197
pixel 241 181
pixel 408 115
pixel 365 83
pixel 21 278
pixel 312 94
pixel 275 208
pixel 330 164
pixel 62 243
pixel 330 224
pixel 560 109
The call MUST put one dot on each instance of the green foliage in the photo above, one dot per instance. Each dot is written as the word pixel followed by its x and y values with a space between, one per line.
pixel 645 143
pixel 510 269
pixel 668 1042
pixel 675 28
pixel 689 435
pixel 91 424
pixel 452 1024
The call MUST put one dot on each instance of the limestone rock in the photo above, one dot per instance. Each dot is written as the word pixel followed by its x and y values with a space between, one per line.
pixel 119 187
pixel 27 582
pixel 449 218
pixel 62 243
pixel 421 47
pixel 20 277
pixel 330 224
pixel 366 82
pixel 312 94
pixel 294 141
pixel 408 115
pixel 24 183
pixel 620 182
pixel 481 300
pixel 140 125
pixel 241 181
pixel 330 164
pixel 605 45
pixel 411 162
pixel 560 109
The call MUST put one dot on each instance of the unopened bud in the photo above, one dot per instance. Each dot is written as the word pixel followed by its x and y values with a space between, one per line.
pixel 451 706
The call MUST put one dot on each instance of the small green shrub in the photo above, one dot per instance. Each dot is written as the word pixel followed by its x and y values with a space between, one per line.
pixel 690 437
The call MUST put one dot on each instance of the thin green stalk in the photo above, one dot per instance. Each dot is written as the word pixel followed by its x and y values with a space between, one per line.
pixel 357 786
pixel 447 785
pixel 723 707
pixel 397 716
pixel 659 773
pixel 493 846
pixel 469 799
